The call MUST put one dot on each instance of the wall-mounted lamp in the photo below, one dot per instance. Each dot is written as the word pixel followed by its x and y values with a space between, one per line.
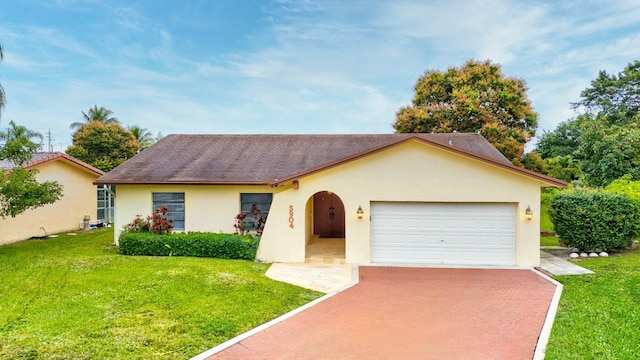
pixel 360 213
pixel 528 214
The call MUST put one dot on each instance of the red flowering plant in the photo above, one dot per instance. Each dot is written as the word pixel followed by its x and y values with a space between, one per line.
pixel 240 225
pixel 158 222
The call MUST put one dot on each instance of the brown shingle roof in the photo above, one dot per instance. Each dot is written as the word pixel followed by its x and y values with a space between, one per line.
pixel 44 157
pixel 271 159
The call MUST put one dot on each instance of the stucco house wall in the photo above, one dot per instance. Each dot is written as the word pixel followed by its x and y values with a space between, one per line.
pixel 411 171
pixel 210 208
pixel 78 200
pixel 405 172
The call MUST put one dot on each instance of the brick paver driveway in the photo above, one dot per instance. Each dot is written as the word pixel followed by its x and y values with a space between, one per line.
pixel 414 313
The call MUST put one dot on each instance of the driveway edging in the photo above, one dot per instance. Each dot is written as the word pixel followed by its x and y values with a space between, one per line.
pixel 545 333
pixel 355 278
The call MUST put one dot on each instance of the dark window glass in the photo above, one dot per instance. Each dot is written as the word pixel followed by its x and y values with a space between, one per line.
pixel 175 204
pixel 262 202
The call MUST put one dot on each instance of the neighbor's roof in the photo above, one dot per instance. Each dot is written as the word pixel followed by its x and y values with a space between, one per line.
pixel 45 157
pixel 277 159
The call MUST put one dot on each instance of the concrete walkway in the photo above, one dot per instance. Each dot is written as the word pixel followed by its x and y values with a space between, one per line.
pixel 331 277
pixel 325 277
pixel 558 266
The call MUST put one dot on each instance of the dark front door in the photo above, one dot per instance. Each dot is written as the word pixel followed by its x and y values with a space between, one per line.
pixel 328 213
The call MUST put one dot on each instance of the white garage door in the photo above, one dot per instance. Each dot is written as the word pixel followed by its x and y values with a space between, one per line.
pixel 443 233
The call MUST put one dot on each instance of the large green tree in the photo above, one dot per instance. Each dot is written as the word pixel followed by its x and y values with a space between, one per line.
pixel 608 152
pixel 104 146
pixel 476 97
pixel 604 141
pixel 99 114
pixel 617 98
pixel 19 188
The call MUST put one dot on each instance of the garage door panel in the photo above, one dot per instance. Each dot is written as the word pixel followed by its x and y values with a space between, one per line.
pixel 440 233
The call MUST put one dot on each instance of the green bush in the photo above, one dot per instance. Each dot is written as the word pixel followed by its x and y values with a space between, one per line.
pixel 594 220
pixel 546 196
pixel 630 188
pixel 199 244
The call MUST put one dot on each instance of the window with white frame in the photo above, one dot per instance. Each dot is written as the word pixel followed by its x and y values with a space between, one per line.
pixel 256 206
pixel 175 203
pixel 106 198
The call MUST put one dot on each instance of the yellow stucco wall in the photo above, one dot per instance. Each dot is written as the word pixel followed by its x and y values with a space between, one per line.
pixel 207 207
pixel 79 199
pixel 408 172
pixel 411 171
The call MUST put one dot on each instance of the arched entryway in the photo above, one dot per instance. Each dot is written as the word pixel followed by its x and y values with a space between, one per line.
pixel 325 227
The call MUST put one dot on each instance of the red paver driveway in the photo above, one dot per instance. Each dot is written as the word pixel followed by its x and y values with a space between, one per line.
pixel 413 313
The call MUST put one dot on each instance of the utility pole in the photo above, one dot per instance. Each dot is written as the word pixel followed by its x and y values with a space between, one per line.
pixel 49 138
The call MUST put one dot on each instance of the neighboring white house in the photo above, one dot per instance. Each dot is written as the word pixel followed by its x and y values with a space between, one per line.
pixel 392 199
pixel 78 200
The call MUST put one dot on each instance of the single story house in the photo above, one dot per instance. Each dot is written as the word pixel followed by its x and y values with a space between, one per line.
pixel 78 197
pixel 449 199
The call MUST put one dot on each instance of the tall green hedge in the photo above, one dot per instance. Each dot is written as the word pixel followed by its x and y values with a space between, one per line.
pixel 594 220
pixel 199 244
pixel 631 189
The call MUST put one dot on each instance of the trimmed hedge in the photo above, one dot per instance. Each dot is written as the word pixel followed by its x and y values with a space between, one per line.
pixel 199 244
pixel 594 220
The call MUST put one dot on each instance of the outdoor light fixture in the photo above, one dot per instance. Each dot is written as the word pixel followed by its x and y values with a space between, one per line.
pixel 360 213
pixel 528 214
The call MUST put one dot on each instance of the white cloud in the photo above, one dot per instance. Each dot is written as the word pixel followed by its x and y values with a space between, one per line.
pixel 314 67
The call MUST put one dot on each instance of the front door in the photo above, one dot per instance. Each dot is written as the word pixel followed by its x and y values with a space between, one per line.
pixel 328 215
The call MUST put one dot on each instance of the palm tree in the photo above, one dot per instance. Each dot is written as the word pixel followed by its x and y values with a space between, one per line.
pixel 95 113
pixel 142 135
pixel 18 146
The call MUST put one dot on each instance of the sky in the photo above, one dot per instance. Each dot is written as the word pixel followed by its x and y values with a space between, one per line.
pixel 288 66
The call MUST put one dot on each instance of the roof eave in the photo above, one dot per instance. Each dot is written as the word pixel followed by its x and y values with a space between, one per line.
pixel 179 182
pixel 73 161
pixel 509 167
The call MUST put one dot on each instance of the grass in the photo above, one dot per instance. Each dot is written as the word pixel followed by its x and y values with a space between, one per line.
pixel 599 315
pixel 75 297
pixel 549 241
pixel 545 219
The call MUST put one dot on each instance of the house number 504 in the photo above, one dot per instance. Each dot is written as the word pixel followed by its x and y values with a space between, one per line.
pixel 291 216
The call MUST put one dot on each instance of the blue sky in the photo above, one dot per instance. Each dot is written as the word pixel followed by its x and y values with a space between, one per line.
pixel 290 66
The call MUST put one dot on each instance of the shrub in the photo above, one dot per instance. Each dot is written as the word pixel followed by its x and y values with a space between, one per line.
pixel 240 223
pixel 594 220
pixel 630 188
pixel 199 244
pixel 157 223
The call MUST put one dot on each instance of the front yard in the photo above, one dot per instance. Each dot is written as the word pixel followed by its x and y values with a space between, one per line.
pixel 599 314
pixel 74 297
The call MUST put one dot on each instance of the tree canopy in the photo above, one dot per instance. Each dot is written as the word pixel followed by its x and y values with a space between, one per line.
pixel 19 188
pixel 617 98
pixel 476 97
pixel 99 114
pixel 603 143
pixel 142 135
pixel 104 146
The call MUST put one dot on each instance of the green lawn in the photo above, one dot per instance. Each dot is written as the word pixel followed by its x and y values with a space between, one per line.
pixel 545 219
pixel 75 297
pixel 599 315
pixel 549 241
